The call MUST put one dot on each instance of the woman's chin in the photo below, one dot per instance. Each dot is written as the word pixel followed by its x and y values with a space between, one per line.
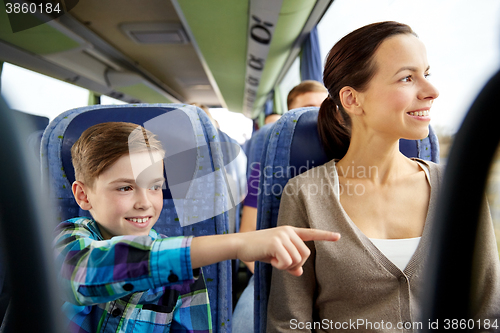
pixel 417 135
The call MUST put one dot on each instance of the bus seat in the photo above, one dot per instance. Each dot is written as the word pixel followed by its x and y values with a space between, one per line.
pixel 257 145
pixel 5 292
pixel 235 162
pixel 246 146
pixel 35 126
pixel 253 165
pixel 293 146
pixel 426 149
pixel 203 159
pixel 255 148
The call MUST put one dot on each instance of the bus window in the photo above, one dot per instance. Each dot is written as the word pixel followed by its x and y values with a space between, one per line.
pixel 106 100
pixel 233 124
pixel 290 80
pixel 39 94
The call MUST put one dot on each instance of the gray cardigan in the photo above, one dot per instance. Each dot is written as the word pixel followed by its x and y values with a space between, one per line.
pixel 350 285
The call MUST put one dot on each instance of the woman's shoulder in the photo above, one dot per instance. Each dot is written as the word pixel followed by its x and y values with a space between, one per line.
pixel 315 175
pixel 434 168
pixel 430 164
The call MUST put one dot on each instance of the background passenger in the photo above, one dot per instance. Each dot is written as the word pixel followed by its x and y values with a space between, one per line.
pixel 306 93
pixel 382 202
pixel 271 118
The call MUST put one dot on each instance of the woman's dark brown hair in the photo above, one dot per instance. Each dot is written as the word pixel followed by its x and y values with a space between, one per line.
pixel 350 63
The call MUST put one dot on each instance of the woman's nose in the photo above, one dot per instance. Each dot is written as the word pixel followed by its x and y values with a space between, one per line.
pixel 428 91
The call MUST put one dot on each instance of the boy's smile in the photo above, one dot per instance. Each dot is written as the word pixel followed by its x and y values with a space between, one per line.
pixel 126 199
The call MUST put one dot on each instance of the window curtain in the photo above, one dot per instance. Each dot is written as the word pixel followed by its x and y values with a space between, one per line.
pixel 310 58
pixel 268 107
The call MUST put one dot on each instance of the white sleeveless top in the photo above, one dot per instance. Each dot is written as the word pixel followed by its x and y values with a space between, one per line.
pixel 399 251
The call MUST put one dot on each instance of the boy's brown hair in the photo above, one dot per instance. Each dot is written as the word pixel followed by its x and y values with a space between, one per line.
pixel 103 144
pixel 302 88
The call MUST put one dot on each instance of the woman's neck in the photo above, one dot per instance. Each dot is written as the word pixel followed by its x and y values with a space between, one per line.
pixel 376 158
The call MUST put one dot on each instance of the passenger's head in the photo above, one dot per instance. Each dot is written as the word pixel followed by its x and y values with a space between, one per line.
pixel 119 176
pixel 271 118
pixel 307 93
pixel 375 77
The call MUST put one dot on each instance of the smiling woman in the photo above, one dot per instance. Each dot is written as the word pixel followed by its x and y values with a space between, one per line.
pixel 375 273
pixel 373 77
pixel 461 40
pixel 402 69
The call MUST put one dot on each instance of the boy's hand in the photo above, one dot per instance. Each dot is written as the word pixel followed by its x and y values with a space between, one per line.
pixel 282 247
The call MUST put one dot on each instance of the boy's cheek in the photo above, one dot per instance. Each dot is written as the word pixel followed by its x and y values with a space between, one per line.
pixel 159 200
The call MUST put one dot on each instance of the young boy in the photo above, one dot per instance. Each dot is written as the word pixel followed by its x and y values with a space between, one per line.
pixel 117 273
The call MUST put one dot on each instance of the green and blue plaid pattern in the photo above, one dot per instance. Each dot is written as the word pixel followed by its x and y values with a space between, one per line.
pixel 128 283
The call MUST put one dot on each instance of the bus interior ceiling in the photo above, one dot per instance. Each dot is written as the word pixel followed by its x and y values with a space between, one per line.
pixel 157 51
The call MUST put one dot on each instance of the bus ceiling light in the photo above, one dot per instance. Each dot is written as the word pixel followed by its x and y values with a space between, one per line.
pixel 155 33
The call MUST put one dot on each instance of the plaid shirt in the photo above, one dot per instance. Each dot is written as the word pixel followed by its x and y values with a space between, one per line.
pixel 128 283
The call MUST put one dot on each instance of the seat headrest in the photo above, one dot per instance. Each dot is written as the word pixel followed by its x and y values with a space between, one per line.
pixel 137 115
pixel 306 150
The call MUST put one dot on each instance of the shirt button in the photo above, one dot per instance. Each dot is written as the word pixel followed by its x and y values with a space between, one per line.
pixel 402 279
pixel 173 278
pixel 128 287
pixel 116 312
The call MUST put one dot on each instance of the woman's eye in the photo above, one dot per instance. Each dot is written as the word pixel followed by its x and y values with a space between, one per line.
pixel 125 188
pixel 426 75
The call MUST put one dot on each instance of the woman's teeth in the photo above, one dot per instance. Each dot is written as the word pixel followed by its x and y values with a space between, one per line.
pixel 419 113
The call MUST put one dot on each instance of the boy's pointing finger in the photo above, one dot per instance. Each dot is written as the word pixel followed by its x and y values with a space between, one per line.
pixel 316 234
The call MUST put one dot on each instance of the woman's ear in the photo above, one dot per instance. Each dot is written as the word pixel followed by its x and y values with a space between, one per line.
pixel 79 192
pixel 349 98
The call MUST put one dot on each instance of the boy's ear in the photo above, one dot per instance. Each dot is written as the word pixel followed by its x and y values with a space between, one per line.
pixel 79 192
pixel 350 100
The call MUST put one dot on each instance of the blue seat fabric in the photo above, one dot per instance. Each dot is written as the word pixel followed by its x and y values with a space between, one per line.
pixel 253 163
